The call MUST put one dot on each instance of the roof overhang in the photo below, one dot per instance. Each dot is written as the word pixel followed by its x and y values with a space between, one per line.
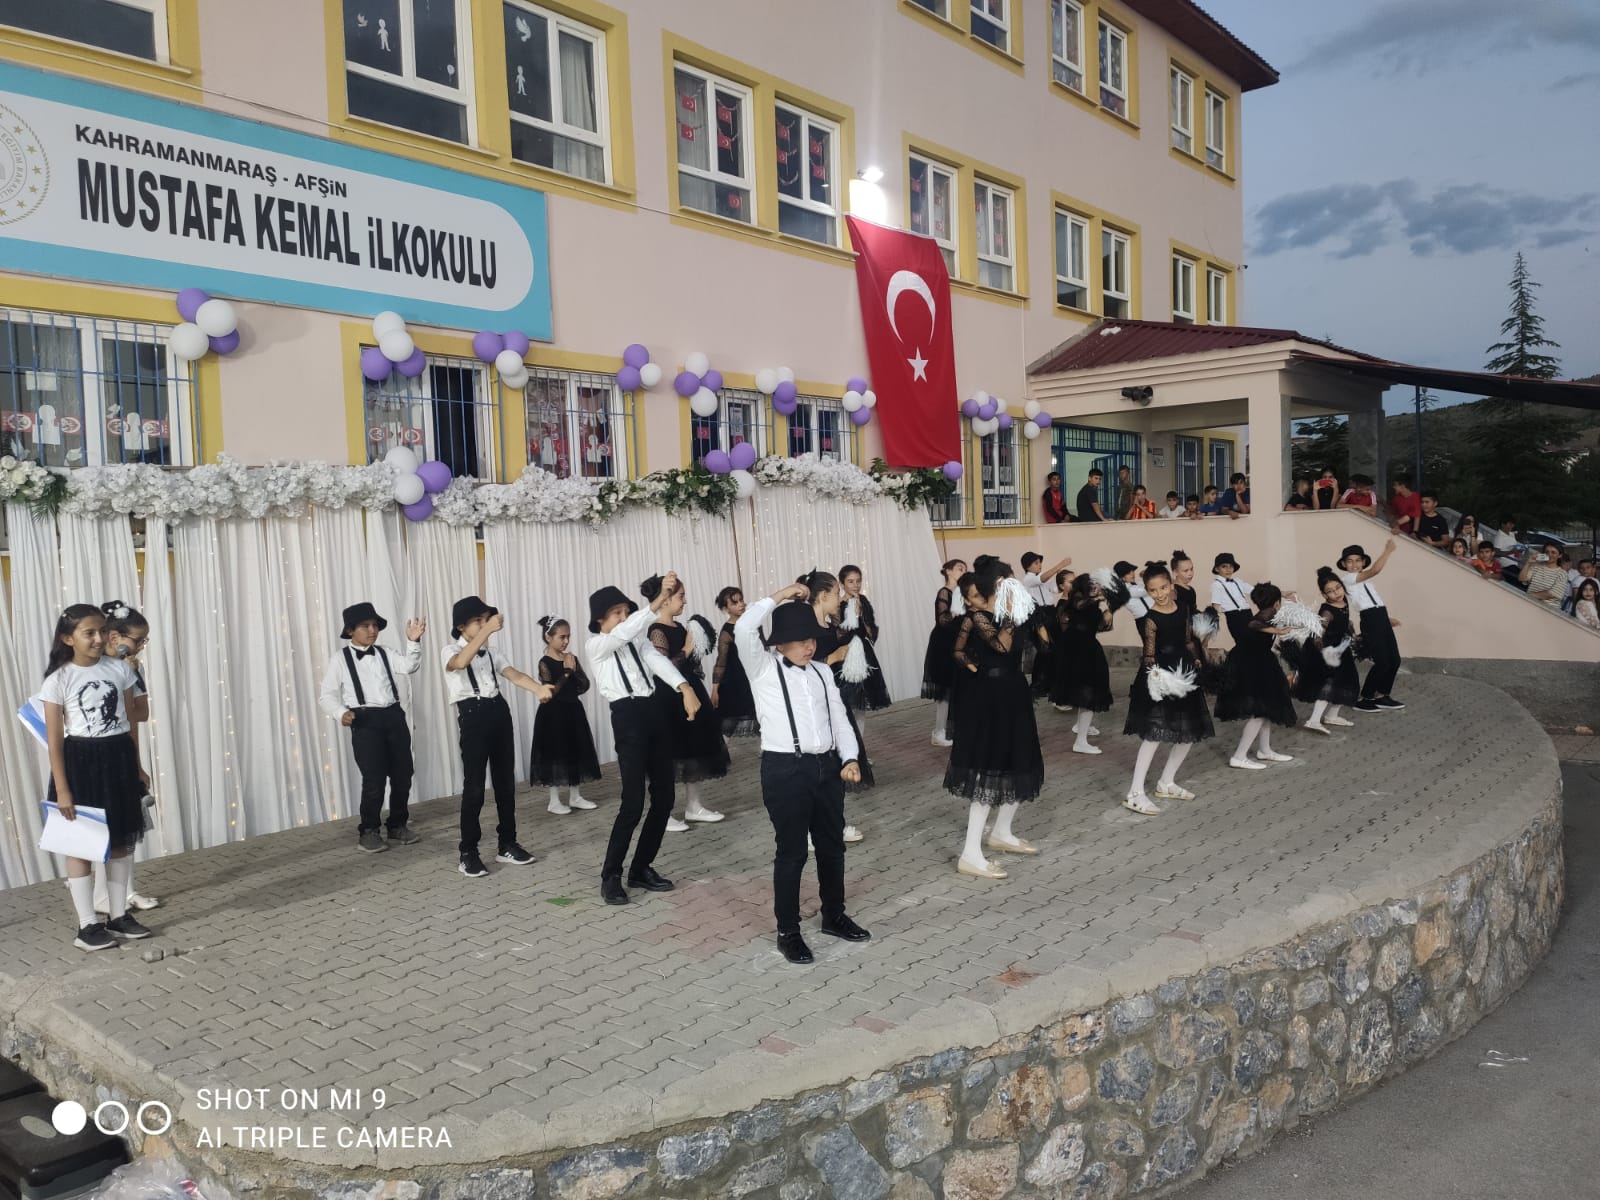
pixel 1478 383
pixel 1204 34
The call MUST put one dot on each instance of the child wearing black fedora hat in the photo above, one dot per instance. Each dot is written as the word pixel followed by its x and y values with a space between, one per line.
pixel 1230 594
pixel 359 692
pixel 472 673
pixel 1377 627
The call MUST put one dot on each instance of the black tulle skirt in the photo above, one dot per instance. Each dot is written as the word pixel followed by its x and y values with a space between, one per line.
pixel 699 750
pixel 563 753
pixel 996 758
pixel 1082 675
pixel 1177 721
pixel 1044 670
pixel 1254 685
pixel 939 662
pixel 872 693
pixel 103 773
pixel 1316 680
pixel 736 706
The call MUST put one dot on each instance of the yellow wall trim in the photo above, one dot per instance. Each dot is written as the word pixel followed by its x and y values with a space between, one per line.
pixel 957 28
pixel 968 171
pixel 1099 220
pixel 178 78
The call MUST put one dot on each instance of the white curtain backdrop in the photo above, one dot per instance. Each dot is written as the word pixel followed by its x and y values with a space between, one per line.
pixel 440 567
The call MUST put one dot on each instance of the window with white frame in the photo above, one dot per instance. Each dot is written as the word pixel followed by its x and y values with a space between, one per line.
pixel 447 413
pixel 820 426
pixel 556 85
pixel 1115 252
pixel 939 8
pixel 742 416
pixel 716 171
pixel 933 191
pixel 808 173
pixel 1072 260
pixel 1066 43
pixel 1113 69
pixel 1221 455
pixel 1187 479
pixel 1180 105
pixel 409 63
pixel 991 22
pixel 1182 288
pixel 1216 130
pixel 1216 296
pixel 133 27
pixel 88 391
pixel 996 229
pixel 579 423
pixel 1000 471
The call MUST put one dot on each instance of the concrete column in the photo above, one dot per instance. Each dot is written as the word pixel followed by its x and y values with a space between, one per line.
pixel 1367 455
pixel 1270 469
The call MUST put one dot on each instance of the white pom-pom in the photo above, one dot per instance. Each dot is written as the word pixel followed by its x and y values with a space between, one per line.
pixel 851 617
pixel 1332 654
pixel 1298 622
pixel 854 669
pixel 1106 577
pixel 1204 625
pixel 1012 603
pixel 696 363
pixel 1171 685
pixel 958 606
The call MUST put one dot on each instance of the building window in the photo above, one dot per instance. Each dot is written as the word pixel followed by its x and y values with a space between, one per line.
pixel 1216 130
pixel 1072 261
pixel 807 160
pixel 555 80
pixel 1180 103
pixel 939 8
pixel 1216 297
pixel 1186 466
pixel 991 23
pixel 719 178
pixel 956 508
pixel 820 426
pixel 447 413
pixel 933 189
pixel 742 416
pixel 1182 289
pixel 1113 69
pixel 1114 274
pixel 409 63
pixel 1000 466
pixel 579 424
pixel 133 27
pixel 1221 454
pixel 1066 44
pixel 84 391
pixel 996 257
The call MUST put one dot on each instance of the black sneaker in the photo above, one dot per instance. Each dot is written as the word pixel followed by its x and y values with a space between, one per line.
pixel 1367 706
pixel 515 855
pixel 126 926
pixel 372 842
pixel 1389 702
pixel 94 937
pixel 472 866
pixel 403 836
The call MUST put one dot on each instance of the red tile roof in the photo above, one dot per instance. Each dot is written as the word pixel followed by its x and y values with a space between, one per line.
pixel 1200 31
pixel 1108 342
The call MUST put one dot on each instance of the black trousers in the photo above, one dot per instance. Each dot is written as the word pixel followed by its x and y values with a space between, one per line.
pixel 487 742
pixel 1378 637
pixel 804 795
pixel 644 757
pixel 382 744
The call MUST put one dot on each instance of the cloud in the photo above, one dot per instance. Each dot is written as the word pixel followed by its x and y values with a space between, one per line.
pixel 1351 220
pixel 1582 79
pixel 1417 35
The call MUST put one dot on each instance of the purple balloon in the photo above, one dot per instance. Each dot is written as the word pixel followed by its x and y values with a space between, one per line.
pixel 628 379
pixel 785 392
pixel 516 340
pixel 686 384
pixel 413 366
pixel 374 365
pixel 987 409
pixel 189 302
pixel 1005 420
pixel 435 476
pixel 742 456
pixel 717 462
pixel 861 416
pixel 785 407
pixel 855 384
pixel 712 379
pixel 420 511
pixel 969 407
pixel 486 344
pixel 226 344
pixel 636 355
pixel 952 470
pixel 1042 420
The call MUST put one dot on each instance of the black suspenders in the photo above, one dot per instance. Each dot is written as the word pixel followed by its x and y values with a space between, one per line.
pixel 355 676
pixel 788 706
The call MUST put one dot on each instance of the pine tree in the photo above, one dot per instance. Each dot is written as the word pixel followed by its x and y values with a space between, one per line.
pixel 1524 331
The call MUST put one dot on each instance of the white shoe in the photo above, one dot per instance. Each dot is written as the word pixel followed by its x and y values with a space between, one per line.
pixel 675 826
pixel 1273 756
pixel 1084 748
pixel 852 834
pixel 142 903
pixel 1093 732
pixel 1140 803
pixel 1315 728
pixel 1247 764
pixel 1171 791
pixel 577 801
pixel 940 740
pixel 555 806
pixel 1062 707
pixel 703 815
pixel 1338 721
pixel 986 870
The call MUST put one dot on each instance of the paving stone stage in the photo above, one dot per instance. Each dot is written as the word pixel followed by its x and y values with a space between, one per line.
pixel 1143 1000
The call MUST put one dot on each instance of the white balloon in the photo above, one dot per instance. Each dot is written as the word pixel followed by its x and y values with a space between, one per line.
pixel 999 405
pixel 766 381
pixel 1030 430
pixel 1030 409
pixel 408 489
pixel 697 363
pixel 981 396
pixel 216 318
pixel 188 342
pixel 745 482
pixel 851 401
pixel 984 428
pixel 516 381
pixel 508 362
pixel 869 399
pixel 387 322
pixel 703 403
pixel 404 460
pixel 786 374
pixel 650 374
pixel 397 345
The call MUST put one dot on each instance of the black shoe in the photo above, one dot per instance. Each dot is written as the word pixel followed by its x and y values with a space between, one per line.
pixel 126 927
pixel 844 927
pixel 94 937
pixel 371 841
pixel 1367 706
pixel 515 855
pixel 649 879
pixel 402 835
pixel 611 890
pixel 472 866
pixel 794 948
pixel 1388 702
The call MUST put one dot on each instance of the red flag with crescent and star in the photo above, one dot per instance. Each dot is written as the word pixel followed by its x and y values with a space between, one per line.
pixel 905 314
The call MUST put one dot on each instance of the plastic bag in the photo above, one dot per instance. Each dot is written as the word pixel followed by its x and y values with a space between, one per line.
pixel 148 1179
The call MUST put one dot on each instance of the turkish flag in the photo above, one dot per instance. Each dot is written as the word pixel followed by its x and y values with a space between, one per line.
pixel 905 314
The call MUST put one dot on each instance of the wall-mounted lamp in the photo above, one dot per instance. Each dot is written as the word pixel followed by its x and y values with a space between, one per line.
pixel 871 174
pixel 1138 395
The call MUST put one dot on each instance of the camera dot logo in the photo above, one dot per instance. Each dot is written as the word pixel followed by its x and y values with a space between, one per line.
pixel 112 1117
pixel 69 1117
pixel 24 169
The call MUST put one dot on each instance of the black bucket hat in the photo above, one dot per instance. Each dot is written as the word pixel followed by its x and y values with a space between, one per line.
pixel 603 601
pixel 1357 552
pixel 794 622
pixel 357 613
pixel 1225 560
pixel 465 609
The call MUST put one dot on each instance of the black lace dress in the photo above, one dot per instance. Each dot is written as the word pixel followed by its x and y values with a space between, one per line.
pixel 1169 642
pixel 833 639
pixel 1254 685
pixel 871 693
pixel 698 749
pixel 1082 676
pixel 996 758
pixel 1314 678
pixel 563 752
pixel 939 664
pixel 736 707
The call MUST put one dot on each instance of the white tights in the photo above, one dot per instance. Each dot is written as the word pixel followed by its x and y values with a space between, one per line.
pixel 1147 755
pixel 941 717
pixel 1321 709
pixel 1082 726
pixel 977 817
pixel 1253 728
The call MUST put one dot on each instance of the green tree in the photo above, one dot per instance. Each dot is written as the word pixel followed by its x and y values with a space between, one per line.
pixel 1523 331
pixel 1326 444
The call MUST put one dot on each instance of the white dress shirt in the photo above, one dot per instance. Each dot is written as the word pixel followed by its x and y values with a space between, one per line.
pixel 1138 600
pixel 820 721
pixel 1043 591
pixel 623 661
pixel 1362 595
pixel 339 694
pixel 479 679
pixel 1231 594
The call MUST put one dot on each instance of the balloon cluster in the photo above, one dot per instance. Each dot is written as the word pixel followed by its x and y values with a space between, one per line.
pixel 859 400
pixel 505 351
pixel 1036 422
pixel 698 383
pixel 778 382
pixel 638 371
pixel 395 351
pixel 736 464
pixel 415 482
pixel 208 325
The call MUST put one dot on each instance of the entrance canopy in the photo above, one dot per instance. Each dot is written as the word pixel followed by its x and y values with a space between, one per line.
pixel 1478 383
